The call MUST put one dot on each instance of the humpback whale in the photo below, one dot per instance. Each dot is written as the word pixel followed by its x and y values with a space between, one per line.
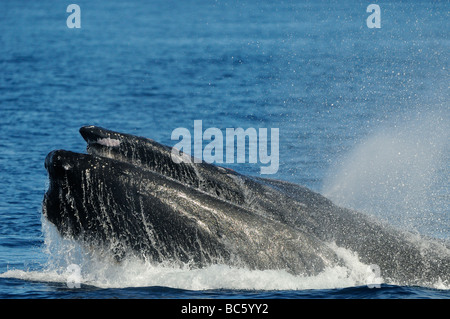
pixel 127 197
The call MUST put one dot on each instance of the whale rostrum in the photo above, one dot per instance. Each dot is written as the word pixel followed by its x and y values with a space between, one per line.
pixel 128 197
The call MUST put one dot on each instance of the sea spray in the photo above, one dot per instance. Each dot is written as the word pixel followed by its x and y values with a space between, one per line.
pixel 400 174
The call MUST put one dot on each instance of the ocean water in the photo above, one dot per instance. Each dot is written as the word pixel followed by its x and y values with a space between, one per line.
pixel 363 116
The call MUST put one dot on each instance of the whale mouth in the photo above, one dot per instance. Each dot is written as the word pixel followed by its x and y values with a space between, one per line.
pixel 127 196
pixel 101 143
pixel 151 156
pixel 109 148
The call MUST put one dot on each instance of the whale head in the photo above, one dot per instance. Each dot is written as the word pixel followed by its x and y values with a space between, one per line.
pixel 126 210
pixel 127 197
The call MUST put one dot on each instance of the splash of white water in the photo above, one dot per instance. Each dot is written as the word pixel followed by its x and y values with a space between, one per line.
pixel 101 272
pixel 399 173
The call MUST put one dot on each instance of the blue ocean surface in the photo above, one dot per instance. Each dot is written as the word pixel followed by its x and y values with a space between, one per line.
pixel 363 117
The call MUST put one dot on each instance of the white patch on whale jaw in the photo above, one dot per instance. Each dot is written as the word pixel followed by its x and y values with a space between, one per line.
pixel 110 142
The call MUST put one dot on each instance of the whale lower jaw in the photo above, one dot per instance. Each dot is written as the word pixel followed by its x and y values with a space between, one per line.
pixel 127 197
pixel 132 211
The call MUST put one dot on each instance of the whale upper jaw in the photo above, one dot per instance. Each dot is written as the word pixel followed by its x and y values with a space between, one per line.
pixel 123 147
pixel 148 154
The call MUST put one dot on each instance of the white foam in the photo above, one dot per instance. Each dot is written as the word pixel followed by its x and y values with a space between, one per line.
pixel 139 274
pixel 35 275
pixel 108 142
pixel 96 270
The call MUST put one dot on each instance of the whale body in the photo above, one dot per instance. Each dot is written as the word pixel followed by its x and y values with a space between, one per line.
pixel 127 197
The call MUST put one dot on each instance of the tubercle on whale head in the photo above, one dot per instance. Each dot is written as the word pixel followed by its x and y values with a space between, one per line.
pixel 58 162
